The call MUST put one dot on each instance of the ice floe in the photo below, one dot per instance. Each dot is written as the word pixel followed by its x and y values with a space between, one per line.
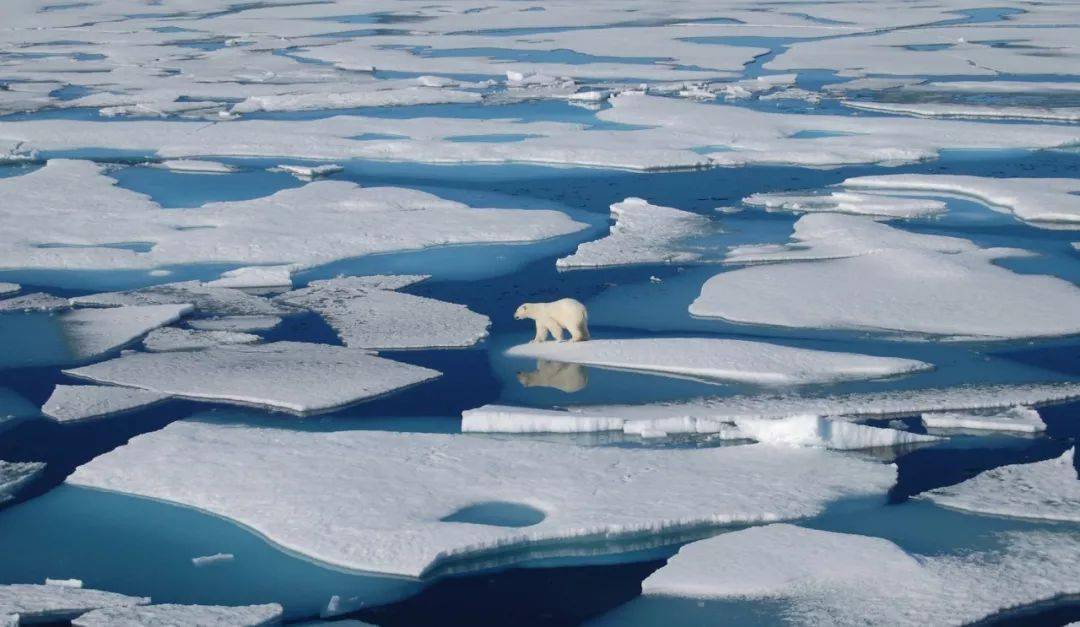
pixel 295 377
pixel 307 101
pixel 174 339
pixel 9 288
pixel 871 276
pixel 310 172
pixel 12 476
pixel 961 110
pixel 1040 201
pixel 194 165
pixel 70 403
pixel 722 359
pixel 366 313
pixel 235 323
pixel 643 233
pixel 171 615
pixel 1047 490
pixel 254 277
pixel 300 489
pixel 793 431
pixel 843 201
pixel 825 577
pixel 204 298
pixel 35 603
pixel 1017 419
pixel 37 301
pixel 93 332
pixel 208 560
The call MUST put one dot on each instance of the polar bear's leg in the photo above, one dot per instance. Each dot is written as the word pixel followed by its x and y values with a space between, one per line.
pixel 556 330
pixel 579 332
pixel 541 332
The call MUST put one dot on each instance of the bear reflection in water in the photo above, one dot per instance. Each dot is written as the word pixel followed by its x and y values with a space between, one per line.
pixel 554 374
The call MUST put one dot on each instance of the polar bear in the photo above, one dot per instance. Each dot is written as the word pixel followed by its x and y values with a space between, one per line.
pixel 552 318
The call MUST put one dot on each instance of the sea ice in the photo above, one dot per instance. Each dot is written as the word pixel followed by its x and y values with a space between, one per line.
pixel 35 603
pixel 254 277
pixel 207 560
pixel 1047 490
pixel 722 359
pixel 310 172
pixel 9 288
pixel 93 332
pixel 38 301
pixel 366 313
pixel 963 110
pixel 310 492
pixel 172 615
pixel 871 276
pixel 12 476
pixel 643 233
pixel 1040 201
pixel 819 432
pixel 1017 418
pixel 174 339
pixel 296 377
pixel 69 403
pixel 206 299
pixel 235 323
pixel 842 201
pixel 825 577
pixel 194 165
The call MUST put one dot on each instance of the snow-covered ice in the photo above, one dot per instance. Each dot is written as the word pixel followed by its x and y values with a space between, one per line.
pixel 960 110
pixel 43 603
pixel 1047 490
pixel 93 332
pixel 208 560
pixel 842 201
pixel 9 288
pixel 37 301
pixel 13 475
pixel 172 615
pixel 69 403
pixel 819 432
pixel 643 233
pixel 235 323
pixel 194 165
pixel 254 277
pixel 1016 419
pixel 722 359
pixel 1040 201
pixel 310 492
pixel 871 276
pixel 174 339
pixel 833 578
pixel 295 377
pixel 366 313
pixel 204 298
pixel 310 172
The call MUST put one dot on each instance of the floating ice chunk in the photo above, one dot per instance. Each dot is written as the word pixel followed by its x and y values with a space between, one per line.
pixel 876 277
pixel 69 403
pixel 194 165
pixel 863 404
pixel 848 202
pixel 170 615
pixel 310 172
pixel 92 332
pixel 173 339
pixel 964 110
pixel 311 101
pixel 1047 490
pixel 507 419
pixel 300 489
pixel 35 603
pixel 235 323
pixel 9 288
pixel 818 432
pixel 291 376
pixel 588 96
pixel 254 277
pixel 1040 201
pixel 833 578
pixel 205 298
pixel 642 233
pixel 208 560
pixel 1016 418
pixel 12 476
pixel 436 81
pixel 366 316
pixel 721 359
pixel 70 583
pixel 38 301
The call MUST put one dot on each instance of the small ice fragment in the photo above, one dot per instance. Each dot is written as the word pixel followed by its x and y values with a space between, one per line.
pixel 1018 418
pixel 308 172
pixel 209 560
pixel 9 288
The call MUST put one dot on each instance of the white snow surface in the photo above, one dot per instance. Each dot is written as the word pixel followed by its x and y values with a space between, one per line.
pixel 311 493
pixel 13 475
pixel 254 276
pixel 235 323
pixel 1040 201
pixel 206 299
pixel 70 403
pixel 842 201
pixel 643 233
pixel 172 615
pixel 45 603
pixel 1017 419
pixel 93 332
pixel 366 313
pixel 722 359
pixel 871 276
pixel 294 377
pixel 824 577
pixel 819 432
pixel 174 339
pixel 1046 490
pixel 37 301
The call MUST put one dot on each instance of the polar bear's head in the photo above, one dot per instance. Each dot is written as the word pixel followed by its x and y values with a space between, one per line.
pixel 522 312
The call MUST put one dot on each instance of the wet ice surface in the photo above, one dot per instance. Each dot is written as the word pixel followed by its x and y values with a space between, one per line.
pixel 255 165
